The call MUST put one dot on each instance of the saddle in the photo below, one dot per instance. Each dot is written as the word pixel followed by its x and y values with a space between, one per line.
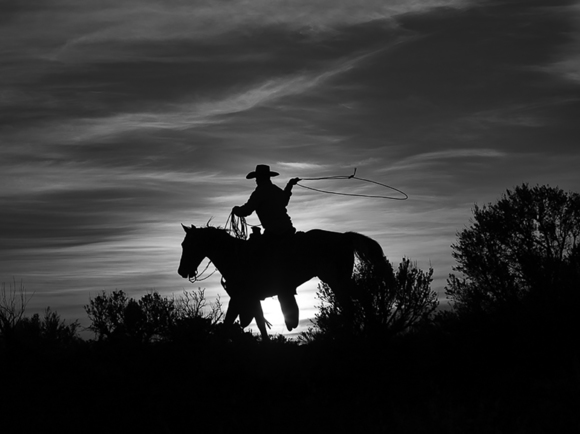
pixel 274 257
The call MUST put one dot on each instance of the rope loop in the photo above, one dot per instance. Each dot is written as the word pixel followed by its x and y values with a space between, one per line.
pixel 353 176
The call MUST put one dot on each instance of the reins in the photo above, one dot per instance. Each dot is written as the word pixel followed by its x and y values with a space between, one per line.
pixel 353 176
pixel 198 278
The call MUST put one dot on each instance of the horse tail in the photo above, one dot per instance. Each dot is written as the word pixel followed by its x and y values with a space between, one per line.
pixel 374 264
pixel 367 251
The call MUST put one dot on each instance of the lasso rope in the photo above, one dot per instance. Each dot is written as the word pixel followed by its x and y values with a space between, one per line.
pixel 353 176
pixel 237 226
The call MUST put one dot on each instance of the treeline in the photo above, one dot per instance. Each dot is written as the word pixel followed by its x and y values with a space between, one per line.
pixel 518 271
pixel 116 318
pixel 384 304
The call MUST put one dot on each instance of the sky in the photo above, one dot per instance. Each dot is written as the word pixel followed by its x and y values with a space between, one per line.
pixel 120 120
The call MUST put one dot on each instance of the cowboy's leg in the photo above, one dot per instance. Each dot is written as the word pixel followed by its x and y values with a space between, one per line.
pixel 289 309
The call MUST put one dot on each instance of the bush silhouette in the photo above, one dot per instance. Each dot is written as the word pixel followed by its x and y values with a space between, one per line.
pixel 520 267
pixel 385 303
pixel 48 330
pixel 116 317
pixel 107 314
pixel 13 301
pixel 17 330
pixel 522 250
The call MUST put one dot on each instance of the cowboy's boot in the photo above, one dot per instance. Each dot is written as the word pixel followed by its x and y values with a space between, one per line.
pixel 289 309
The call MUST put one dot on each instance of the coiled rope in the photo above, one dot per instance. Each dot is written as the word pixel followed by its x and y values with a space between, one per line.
pixel 237 226
pixel 353 176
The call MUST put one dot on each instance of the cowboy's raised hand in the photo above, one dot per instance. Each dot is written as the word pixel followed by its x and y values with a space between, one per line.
pixel 294 181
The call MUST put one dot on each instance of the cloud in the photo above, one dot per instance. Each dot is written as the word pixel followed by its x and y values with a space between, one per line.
pixel 418 162
pixel 301 166
pixel 568 63
pixel 197 113
pixel 93 22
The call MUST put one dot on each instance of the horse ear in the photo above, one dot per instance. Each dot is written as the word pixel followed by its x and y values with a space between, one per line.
pixel 185 228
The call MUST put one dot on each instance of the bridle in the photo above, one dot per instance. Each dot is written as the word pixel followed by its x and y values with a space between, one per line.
pixel 199 277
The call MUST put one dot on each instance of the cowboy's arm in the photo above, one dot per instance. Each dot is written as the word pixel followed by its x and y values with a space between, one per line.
pixel 242 211
pixel 288 189
pixel 248 208
pixel 291 184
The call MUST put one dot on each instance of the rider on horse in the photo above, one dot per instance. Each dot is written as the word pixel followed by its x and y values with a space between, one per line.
pixel 269 202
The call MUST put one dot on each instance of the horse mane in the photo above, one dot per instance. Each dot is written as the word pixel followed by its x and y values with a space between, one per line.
pixel 217 230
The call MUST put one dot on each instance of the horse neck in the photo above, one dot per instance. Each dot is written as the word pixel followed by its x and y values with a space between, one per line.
pixel 223 252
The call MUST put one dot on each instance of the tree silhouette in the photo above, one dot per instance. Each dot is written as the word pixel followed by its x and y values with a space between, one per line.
pixel 525 247
pixel 48 330
pixel 114 316
pixel 107 313
pixel 385 302
pixel 13 303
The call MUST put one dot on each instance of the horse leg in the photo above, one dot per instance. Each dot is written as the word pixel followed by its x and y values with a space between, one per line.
pixel 340 282
pixel 232 312
pixel 261 321
pixel 247 310
pixel 289 309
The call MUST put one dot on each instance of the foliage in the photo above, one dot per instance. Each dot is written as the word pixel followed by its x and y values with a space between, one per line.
pixel 13 303
pixel 523 249
pixel 154 316
pixel 107 313
pixel 115 316
pixel 195 320
pixel 50 329
pixel 18 330
pixel 385 303
pixel 193 304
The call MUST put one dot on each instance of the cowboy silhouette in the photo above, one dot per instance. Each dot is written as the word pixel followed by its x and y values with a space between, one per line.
pixel 269 202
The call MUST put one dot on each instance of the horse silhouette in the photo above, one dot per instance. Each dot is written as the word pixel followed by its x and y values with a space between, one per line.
pixel 251 274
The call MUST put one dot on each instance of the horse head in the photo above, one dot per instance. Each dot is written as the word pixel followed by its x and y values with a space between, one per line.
pixel 192 252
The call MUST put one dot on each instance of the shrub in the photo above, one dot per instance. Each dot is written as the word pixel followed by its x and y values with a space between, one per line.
pixel 48 330
pixel 384 303
pixel 521 252
pixel 13 303
pixel 153 317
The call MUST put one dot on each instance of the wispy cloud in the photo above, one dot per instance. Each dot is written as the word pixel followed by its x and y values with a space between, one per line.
pixel 302 166
pixel 201 113
pixel 417 162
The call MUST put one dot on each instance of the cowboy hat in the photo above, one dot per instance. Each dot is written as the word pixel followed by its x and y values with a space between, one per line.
pixel 261 170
